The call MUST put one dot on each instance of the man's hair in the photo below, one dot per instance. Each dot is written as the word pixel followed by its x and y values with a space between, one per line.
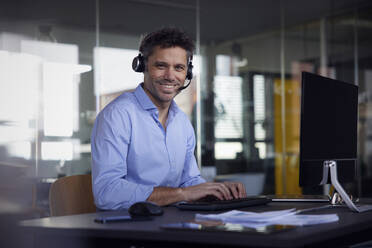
pixel 166 38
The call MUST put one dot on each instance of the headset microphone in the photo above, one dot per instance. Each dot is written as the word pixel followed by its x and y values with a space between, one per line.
pixel 184 87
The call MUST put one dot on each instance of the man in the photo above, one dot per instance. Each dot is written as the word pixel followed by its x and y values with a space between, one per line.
pixel 142 143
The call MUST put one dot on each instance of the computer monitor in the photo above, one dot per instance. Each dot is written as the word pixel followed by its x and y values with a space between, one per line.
pixel 329 116
pixel 328 134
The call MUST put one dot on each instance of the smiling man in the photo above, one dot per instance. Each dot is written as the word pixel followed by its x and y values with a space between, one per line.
pixel 142 143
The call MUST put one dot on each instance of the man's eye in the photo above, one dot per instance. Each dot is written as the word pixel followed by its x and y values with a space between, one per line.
pixel 160 66
pixel 180 68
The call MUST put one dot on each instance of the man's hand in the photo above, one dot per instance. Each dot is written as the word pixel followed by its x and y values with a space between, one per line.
pixel 226 190
pixel 223 191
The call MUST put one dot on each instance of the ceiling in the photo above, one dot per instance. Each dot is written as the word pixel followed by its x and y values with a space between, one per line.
pixel 220 20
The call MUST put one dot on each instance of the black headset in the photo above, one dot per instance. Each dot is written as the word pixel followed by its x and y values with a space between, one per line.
pixel 138 65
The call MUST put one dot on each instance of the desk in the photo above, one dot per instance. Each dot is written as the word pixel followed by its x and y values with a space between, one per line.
pixel 82 231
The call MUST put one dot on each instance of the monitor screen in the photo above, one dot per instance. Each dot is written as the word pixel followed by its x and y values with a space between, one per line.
pixel 329 115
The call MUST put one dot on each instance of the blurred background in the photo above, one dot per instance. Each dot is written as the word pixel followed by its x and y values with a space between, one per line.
pixel 61 62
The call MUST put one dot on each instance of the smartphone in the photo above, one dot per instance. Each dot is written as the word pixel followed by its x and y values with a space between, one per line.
pixel 106 218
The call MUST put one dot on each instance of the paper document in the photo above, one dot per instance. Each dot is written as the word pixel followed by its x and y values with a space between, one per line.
pixel 283 217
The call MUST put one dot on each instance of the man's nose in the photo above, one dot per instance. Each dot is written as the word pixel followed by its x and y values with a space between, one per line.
pixel 170 74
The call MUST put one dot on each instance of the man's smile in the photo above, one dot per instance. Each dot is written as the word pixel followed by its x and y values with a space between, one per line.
pixel 167 85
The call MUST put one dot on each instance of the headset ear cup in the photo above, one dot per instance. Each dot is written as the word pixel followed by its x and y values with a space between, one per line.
pixel 138 63
pixel 189 71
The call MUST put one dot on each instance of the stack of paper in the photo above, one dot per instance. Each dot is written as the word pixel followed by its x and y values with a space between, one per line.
pixel 282 217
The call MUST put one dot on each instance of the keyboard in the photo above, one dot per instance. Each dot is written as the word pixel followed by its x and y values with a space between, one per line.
pixel 210 203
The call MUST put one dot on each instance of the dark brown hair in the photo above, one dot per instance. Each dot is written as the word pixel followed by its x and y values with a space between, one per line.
pixel 165 38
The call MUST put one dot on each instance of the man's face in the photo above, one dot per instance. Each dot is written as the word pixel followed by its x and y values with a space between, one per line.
pixel 165 73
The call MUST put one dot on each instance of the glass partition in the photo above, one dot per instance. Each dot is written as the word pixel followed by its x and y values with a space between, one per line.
pixel 252 84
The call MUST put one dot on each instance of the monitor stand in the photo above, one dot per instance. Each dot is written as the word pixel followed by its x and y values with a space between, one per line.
pixel 330 166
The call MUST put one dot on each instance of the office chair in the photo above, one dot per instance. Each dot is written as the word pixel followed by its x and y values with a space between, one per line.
pixel 71 195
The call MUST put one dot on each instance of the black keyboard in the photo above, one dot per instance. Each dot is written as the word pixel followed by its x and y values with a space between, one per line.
pixel 210 204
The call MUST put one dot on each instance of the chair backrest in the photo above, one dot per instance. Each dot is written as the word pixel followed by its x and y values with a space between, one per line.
pixel 71 195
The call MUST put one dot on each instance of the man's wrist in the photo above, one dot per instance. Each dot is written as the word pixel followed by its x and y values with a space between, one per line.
pixel 167 195
pixel 181 194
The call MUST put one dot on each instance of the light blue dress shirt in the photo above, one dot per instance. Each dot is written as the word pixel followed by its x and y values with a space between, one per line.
pixel 132 153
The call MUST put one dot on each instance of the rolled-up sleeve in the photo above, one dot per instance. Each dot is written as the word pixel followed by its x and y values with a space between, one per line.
pixel 109 142
pixel 191 173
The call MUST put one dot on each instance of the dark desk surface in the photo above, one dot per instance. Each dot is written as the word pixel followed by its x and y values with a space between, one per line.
pixel 350 229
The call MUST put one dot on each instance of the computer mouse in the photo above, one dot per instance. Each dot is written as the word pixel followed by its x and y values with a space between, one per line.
pixel 145 208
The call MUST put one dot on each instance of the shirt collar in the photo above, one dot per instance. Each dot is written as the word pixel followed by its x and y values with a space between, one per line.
pixel 146 103
pixel 143 98
pixel 173 108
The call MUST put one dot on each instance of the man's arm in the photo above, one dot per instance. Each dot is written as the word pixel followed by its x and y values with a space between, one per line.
pixel 193 186
pixel 109 141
